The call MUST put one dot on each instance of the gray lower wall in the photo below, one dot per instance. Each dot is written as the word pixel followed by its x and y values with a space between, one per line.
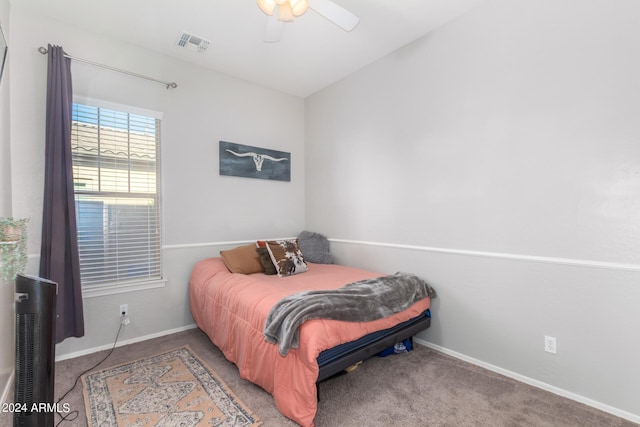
pixel 497 311
pixel 152 311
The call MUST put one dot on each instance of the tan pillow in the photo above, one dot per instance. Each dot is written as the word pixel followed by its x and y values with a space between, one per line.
pixel 243 260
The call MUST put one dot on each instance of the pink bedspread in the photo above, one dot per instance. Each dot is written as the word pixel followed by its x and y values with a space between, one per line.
pixel 232 308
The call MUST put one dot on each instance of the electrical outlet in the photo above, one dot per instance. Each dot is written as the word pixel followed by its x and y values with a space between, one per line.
pixel 550 344
pixel 124 310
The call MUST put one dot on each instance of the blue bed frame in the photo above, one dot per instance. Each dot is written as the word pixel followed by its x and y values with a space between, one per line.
pixel 334 360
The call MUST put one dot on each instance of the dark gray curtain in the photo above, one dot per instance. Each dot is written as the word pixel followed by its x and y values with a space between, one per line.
pixel 59 260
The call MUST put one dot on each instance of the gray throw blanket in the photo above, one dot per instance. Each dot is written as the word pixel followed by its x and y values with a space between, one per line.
pixel 361 301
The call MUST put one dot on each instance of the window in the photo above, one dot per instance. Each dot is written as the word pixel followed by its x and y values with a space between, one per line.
pixel 116 175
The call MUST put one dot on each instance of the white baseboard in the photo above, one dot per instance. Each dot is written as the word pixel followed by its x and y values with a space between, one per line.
pixel 535 383
pixel 125 342
pixel 7 389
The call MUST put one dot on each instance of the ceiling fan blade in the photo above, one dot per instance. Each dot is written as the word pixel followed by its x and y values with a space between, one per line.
pixel 336 14
pixel 273 30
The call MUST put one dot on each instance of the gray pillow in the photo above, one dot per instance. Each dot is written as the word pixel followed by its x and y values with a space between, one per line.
pixel 315 247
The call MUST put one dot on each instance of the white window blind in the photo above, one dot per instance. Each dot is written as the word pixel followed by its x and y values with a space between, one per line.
pixel 116 173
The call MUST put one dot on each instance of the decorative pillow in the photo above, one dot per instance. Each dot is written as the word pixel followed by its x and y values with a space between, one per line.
pixel 243 260
pixel 265 259
pixel 315 247
pixel 286 257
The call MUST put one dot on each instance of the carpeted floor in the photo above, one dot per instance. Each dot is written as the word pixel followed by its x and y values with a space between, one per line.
pixel 423 387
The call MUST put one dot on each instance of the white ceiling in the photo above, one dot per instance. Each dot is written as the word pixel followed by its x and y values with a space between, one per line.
pixel 312 53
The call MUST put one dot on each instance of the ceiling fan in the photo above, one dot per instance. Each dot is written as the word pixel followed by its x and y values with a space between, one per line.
pixel 281 11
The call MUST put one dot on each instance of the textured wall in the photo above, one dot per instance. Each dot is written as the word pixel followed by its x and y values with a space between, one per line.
pixel 500 152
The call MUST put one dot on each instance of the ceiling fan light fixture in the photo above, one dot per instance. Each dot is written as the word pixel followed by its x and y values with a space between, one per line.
pixel 299 7
pixel 288 9
pixel 285 13
pixel 267 6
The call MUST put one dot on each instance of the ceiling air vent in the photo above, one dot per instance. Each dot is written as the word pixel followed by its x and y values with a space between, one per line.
pixel 194 43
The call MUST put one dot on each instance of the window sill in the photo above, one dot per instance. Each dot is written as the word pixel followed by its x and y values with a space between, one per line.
pixel 103 290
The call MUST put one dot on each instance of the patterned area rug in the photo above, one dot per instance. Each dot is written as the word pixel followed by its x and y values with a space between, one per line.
pixel 169 389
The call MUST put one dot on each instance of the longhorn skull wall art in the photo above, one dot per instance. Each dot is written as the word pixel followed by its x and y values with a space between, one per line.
pixel 254 162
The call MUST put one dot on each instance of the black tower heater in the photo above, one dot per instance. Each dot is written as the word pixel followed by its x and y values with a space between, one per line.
pixel 35 351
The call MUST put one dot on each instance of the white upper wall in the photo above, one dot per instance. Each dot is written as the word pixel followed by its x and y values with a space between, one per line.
pixel 514 129
pixel 5 151
pixel 6 290
pixel 199 205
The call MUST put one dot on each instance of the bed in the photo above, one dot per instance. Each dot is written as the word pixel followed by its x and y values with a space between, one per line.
pixel 231 308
